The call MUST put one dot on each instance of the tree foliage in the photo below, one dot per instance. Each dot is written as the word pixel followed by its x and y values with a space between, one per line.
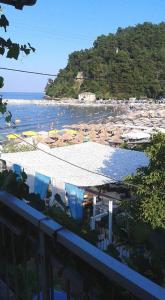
pixel 14 183
pixel 150 203
pixel 128 63
pixel 11 50
pixel 12 147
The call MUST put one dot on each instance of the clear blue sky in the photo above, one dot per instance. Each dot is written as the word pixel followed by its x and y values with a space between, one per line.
pixel 58 27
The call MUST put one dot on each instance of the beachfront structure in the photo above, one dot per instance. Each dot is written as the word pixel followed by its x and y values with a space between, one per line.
pixel 112 164
pixel 87 97
pixel 136 135
pixel 107 165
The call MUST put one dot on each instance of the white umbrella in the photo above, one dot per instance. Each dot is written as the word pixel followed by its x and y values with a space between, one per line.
pixel 45 133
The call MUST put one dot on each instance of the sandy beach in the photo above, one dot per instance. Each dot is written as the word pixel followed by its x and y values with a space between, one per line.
pixel 135 122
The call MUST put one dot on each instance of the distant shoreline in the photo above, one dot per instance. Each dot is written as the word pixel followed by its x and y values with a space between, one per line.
pixel 58 103
pixel 74 102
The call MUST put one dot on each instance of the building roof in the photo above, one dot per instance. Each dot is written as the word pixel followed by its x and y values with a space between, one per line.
pixel 87 93
pixel 136 135
pixel 114 163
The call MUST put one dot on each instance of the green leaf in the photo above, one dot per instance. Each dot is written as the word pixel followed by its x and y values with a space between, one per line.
pixel 2 50
pixel 32 48
pixel 13 51
pixel 4 22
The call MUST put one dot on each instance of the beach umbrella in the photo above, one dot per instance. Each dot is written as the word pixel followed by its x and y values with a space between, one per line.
pixel 62 131
pixel 59 143
pixel 78 139
pixel 55 136
pixel 48 140
pixel 92 134
pixel 53 131
pixel 29 133
pixel 13 136
pixel 71 131
pixel 116 138
pixel 66 137
pixel 44 133
pixel 82 126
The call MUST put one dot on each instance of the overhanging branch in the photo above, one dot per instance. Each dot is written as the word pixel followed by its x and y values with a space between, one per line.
pixel 19 4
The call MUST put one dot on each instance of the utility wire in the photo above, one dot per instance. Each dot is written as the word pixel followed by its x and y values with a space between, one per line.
pixel 100 78
pixel 48 153
pixel 72 164
pixel 28 72
pixel 79 167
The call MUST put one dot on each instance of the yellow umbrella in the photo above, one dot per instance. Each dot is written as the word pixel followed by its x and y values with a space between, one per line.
pixel 29 133
pixel 53 131
pixel 13 136
pixel 71 131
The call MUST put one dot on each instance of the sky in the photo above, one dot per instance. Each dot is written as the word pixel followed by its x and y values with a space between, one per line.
pixel 56 28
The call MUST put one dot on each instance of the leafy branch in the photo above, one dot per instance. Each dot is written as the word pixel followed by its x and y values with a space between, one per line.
pixel 11 50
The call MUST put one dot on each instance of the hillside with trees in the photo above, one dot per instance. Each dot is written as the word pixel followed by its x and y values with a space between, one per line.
pixel 129 63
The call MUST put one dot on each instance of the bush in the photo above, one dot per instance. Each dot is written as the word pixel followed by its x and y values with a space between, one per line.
pixel 12 147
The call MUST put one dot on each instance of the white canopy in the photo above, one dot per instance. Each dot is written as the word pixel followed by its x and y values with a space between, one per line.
pixel 136 135
pixel 113 163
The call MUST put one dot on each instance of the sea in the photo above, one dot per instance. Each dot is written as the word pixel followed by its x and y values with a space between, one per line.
pixel 44 117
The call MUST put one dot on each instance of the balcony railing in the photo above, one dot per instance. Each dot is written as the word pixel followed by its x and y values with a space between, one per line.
pixel 41 260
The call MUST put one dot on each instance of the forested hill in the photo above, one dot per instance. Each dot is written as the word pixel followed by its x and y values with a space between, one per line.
pixel 128 63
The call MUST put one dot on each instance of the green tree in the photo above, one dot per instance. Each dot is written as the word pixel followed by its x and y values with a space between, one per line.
pixel 128 63
pixel 12 50
pixel 14 184
pixel 150 191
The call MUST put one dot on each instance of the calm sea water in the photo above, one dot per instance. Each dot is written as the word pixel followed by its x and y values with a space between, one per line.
pixel 22 95
pixel 44 117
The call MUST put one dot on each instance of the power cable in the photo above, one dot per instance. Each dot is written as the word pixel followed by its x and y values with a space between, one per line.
pixel 48 153
pixel 100 78
pixel 28 72
pixel 72 164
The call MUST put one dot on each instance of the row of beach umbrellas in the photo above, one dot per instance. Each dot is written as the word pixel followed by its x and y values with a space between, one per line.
pixel 12 136
pixel 74 134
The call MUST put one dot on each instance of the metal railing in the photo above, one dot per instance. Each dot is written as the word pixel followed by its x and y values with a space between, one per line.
pixel 41 260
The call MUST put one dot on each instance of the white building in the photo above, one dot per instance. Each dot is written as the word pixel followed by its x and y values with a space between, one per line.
pixel 87 97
